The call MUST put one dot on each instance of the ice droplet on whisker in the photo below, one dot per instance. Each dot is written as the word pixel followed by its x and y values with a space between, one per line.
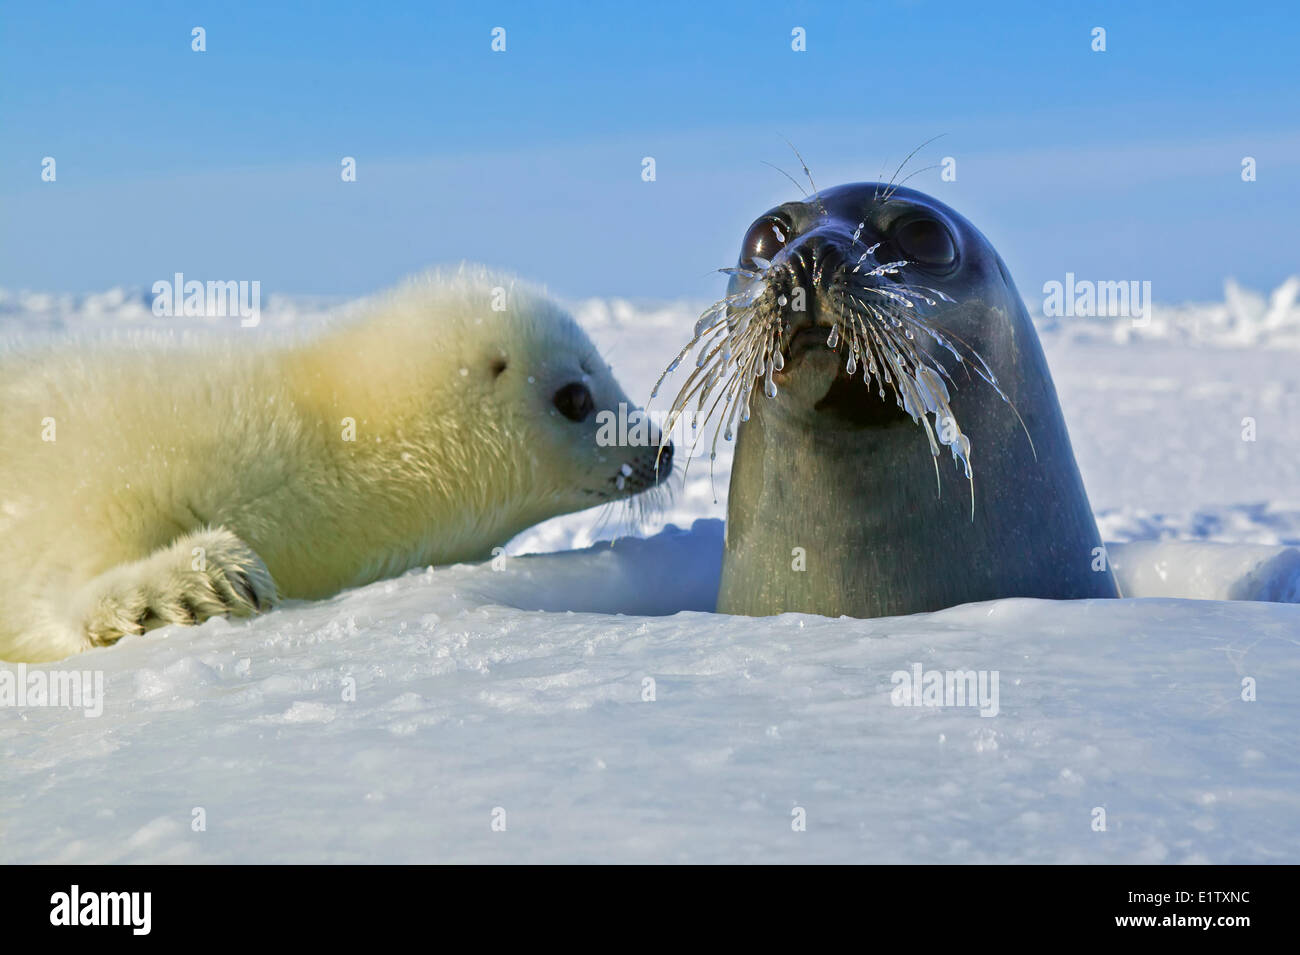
pixel 769 386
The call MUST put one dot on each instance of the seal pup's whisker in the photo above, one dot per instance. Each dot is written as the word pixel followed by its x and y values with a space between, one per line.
pixel 635 513
pixel 458 434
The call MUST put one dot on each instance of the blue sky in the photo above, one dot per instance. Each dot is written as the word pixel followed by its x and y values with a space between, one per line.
pixel 225 164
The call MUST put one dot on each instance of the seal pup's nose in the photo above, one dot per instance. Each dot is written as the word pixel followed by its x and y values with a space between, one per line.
pixel 664 463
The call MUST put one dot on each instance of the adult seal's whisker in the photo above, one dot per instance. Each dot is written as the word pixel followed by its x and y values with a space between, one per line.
pixel 882 282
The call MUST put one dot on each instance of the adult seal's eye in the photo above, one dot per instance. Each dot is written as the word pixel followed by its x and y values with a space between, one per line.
pixel 765 238
pixel 926 242
pixel 574 401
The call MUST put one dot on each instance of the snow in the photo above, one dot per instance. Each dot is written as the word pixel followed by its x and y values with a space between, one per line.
pixel 398 721
pixel 1206 571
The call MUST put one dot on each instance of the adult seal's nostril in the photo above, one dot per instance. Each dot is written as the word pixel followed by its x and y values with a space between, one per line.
pixel 806 258
pixel 913 343
pixel 826 259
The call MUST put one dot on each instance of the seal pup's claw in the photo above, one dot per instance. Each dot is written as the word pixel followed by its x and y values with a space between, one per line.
pixel 205 574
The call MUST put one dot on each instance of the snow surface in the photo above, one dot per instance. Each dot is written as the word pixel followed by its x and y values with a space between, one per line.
pixel 522 687
pixel 1206 571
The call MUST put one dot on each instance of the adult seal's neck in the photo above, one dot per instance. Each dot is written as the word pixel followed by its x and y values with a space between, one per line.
pixel 837 515
pixel 890 339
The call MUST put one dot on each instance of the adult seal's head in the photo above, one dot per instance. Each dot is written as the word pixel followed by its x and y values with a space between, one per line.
pixel 900 446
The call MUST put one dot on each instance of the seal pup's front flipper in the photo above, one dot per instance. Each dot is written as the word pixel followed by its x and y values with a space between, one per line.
pixel 208 573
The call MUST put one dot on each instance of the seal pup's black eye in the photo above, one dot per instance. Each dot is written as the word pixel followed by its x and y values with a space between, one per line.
pixel 765 238
pixel 926 242
pixel 498 366
pixel 574 401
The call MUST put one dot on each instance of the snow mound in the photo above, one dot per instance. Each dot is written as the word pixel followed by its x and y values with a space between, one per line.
pixel 1244 318
pixel 590 697
pixel 398 721
pixel 1264 522
pixel 673 571
pixel 1206 571
pixel 26 313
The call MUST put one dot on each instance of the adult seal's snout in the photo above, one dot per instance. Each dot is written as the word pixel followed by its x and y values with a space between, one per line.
pixel 881 336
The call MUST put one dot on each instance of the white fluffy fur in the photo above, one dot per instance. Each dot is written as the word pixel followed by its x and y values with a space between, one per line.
pixel 163 447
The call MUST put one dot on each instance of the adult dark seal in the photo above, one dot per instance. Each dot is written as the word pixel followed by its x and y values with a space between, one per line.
pixel 869 335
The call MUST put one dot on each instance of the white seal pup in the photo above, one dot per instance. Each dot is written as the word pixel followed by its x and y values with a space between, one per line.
pixel 153 482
